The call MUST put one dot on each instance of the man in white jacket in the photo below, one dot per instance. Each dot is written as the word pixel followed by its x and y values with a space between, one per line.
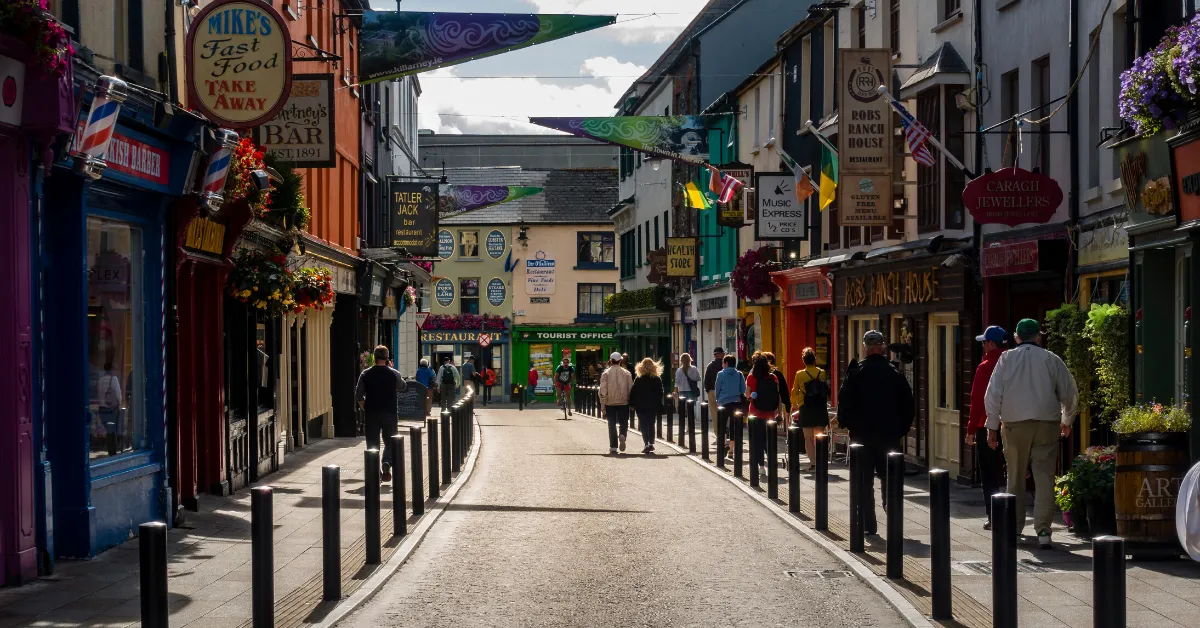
pixel 615 384
pixel 1031 397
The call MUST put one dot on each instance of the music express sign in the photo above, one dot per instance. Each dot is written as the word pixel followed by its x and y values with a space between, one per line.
pixel 239 63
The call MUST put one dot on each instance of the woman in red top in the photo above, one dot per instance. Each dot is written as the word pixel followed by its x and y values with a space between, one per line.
pixel 990 460
pixel 763 389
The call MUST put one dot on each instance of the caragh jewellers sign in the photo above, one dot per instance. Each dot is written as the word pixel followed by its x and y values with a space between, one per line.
pixel 239 63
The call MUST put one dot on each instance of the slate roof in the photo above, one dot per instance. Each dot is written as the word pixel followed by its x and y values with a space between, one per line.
pixel 572 196
pixel 945 59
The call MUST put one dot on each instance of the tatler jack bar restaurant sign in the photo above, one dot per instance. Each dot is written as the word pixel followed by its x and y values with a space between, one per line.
pixel 864 138
pixel 239 63
pixel 1012 196
pixel 414 217
pixel 303 132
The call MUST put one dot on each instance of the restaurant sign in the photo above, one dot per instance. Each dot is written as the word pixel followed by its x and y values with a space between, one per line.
pixel 1012 196
pixel 1010 259
pixel 469 337
pixel 898 287
pixel 414 217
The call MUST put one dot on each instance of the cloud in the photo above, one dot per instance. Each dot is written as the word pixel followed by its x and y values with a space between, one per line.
pixel 634 21
pixel 503 105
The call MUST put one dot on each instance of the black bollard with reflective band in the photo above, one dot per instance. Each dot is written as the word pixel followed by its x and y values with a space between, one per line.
pixel 331 530
pixel 821 493
pixel 722 423
pixel 794 434
pixel 374 536
pixel 418 482
pixel 857 459
pixel 399 498
pixel 751 428
pixel 939 543
pixel 658 419
pixel 670 408
pixel 457 427
pixel 520 397
pixel 262 558
pixel 444 426
pixel 704 430
pixel 895 515
pixel 1004 560
pixel 772 460
pixel 431 431
pixel 152 562
pixel 1108 582
pixel 690 408
pixel 681 407
pixel 738 436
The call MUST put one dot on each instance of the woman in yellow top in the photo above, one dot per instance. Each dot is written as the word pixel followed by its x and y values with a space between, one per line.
pixel 810 394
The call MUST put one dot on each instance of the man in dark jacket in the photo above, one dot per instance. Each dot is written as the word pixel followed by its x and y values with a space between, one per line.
pixel 876 405
pixel 376 394
pixel 710 378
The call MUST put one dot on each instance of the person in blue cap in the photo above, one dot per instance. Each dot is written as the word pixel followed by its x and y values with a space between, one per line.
pixel 989 460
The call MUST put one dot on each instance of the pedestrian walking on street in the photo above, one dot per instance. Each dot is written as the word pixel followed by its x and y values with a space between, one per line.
pixel 376 394
pixel 449 380
pixel 469 375
pixel 710 378
pixel 876 405
pixel 615 384
pixel 731 393
pixel 1030 402
pixel 784 398
pixel 687 378
pixel 425 377
pixel 764 391
pixel 810 393
pixel 489 380
pixel 646 398
pixel 987 459
pixel 531 384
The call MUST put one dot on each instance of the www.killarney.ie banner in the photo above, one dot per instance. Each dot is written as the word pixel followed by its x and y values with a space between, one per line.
pixel 681 138
pixel 459 199
pixel 399 43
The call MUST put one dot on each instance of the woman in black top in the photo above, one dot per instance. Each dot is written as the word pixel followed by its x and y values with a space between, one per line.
pixel 646 398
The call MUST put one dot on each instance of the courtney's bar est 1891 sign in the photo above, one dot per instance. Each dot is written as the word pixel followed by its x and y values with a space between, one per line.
pixel 302 133
pixel 239 63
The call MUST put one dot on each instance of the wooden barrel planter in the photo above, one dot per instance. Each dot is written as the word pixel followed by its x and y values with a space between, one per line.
pixel 1150 468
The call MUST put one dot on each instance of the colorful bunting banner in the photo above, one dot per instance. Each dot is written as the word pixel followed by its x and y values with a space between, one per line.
pixel 459 199
pixel 681 138
pixel 399 43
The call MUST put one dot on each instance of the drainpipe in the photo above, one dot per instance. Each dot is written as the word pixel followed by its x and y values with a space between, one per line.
pixel 980 138
pixel 1073 141
pixel 172 55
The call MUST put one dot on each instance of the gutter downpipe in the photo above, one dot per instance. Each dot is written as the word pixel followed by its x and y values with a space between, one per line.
pixel 172 55
pixel 980 138
pixel 1073 139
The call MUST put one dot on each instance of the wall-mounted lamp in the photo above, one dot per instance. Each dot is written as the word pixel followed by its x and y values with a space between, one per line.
pixel 102 122
pixel 523 236
pixel 218 170
pixel 656 163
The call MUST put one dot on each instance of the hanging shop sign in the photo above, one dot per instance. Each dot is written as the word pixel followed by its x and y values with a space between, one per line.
pixel 399 43
pixel 539 274
pixel 781 215
pixel 205 236
pixel 1185 157
pixel 445 244
pixel 683 257
pixel 444 292
pixel 302 133
pixel 733 213
pixel 239 63
pixel 1104 244
pixel 657 260
pixel 497 292
pixel 679 138
pixel 1012 196
pixel 1145 166
pixel 1009 259
pixel 12 88
pixel 866 200
pixel 495 244
pixel 865 121
pixel 567 335
pixel 806 291
pixel 415 218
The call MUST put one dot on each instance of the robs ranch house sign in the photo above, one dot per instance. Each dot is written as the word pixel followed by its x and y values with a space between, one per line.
pixel 239 63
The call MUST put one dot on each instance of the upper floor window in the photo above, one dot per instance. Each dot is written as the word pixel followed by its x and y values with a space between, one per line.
pixel 596 248
pixel 894 15
pixel 468 244
pixel 591 299
pixel 951 7
pixel 468 295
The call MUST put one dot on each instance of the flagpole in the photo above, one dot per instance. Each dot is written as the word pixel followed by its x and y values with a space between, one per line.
pixel 882 89
pixel 809 128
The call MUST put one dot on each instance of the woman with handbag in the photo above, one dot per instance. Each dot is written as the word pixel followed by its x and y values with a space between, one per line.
pixel 646 399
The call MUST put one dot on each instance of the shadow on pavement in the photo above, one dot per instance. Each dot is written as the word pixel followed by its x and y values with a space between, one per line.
pixel 501 508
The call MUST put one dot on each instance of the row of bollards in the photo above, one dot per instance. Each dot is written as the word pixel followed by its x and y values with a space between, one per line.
pixel 456 429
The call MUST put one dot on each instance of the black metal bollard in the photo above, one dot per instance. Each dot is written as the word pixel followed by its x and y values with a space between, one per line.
pixel 1004 560
pixel 794 434
pixel 939 543
pixel 722 424
pixel 670 407
pixel 331 530
pixel 895 515
pixel 444 439
pixel 821 494
pixel 456 429
pixel 658 418
pixel 739 431
pixel 152 561
pixel 520 397
pixel 431 427
pixel 704 430
pixel 418 483
pixel 373 534
pixel 681 411
pixel 1108 582
pixel 691 425
pixel 772 460
pixel 857 460
pixel 399 499
pixel 262 557
pixel 751 429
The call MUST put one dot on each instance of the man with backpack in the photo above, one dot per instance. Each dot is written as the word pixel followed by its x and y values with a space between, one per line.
pixel 876 405
pixel 449 380
pixel 376 394
pixel 810 394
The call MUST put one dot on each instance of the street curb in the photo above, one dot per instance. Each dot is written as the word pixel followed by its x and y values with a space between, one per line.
pixel 408 545
pixel 870 578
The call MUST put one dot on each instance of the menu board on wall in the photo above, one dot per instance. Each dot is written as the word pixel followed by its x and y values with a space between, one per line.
pixel 541 357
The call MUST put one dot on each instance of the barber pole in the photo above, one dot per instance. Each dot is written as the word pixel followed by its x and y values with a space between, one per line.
pixel 102 122
pixel 218 169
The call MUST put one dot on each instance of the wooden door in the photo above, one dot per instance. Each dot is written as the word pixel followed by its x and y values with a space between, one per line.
pixel 943 350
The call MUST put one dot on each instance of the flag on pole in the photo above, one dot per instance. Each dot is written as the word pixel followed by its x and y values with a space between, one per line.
pixel 696 198
pixel 829 176
pixel 714 181
pixel 729 187
pixel 804 184
pixel 915 135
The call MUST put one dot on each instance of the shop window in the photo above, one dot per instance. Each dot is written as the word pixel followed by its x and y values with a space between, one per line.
pixel 468 295
pixel 928 181
pixel 116 334
pixel 858 325
pixel 596 249
pixel 1041 95
pixel 955 180
pixel 894 14
pixel 1010 105
pixel 468 244
pixel 945 375
pixel 591 299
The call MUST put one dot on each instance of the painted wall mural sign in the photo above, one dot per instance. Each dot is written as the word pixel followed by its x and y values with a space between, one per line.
pixel 495 244
pixel 303 131
pixel 680 138
pixel 683 257
pixel 239 63
pixel 497 292
pixel 415 218
pixel 444 292
pixel 539 274
pixel 1012 196
pixel 399 43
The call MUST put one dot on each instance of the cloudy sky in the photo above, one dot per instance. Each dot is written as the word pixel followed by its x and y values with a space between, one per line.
pixel 457 100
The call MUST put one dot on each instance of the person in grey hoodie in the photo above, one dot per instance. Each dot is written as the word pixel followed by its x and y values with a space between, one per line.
pixel 1031 397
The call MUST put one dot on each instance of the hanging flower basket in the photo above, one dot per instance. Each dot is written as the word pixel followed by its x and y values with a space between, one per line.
pixel 1162 84
pixel 262 281
pixel 752 274
pixel 32 23
pixel 313 289
pixel 451 322
pixel 410 296
pixel 247 158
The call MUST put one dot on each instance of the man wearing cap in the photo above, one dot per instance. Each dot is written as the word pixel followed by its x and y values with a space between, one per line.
pixel 615 384
pixel 376 394
pixel 876 405
pixel 988 459
pixel 710 379
pixel 1031 398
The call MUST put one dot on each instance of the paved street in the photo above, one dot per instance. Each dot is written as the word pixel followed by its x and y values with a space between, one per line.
pixel 550 530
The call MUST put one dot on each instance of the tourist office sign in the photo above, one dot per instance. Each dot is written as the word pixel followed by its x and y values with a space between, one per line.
pixel 540 336
pixel 1012 196
pixel 239 63
pixel 865 131
pixel 302 133
pixel 414 217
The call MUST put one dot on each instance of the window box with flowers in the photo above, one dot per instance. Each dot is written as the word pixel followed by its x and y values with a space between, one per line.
pixel 451 322
pixel 30 34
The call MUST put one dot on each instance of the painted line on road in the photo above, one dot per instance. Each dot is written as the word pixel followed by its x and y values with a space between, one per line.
pixel 408 545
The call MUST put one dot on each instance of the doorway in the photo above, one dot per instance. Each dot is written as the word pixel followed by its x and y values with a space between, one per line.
pixel 944 449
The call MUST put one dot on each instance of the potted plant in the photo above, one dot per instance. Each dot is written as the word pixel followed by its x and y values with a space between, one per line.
pixel 1089 484
pixel 1074 515
pixel 1152 458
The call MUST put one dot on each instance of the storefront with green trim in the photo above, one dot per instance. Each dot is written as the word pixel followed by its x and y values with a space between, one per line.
pixel 544 347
